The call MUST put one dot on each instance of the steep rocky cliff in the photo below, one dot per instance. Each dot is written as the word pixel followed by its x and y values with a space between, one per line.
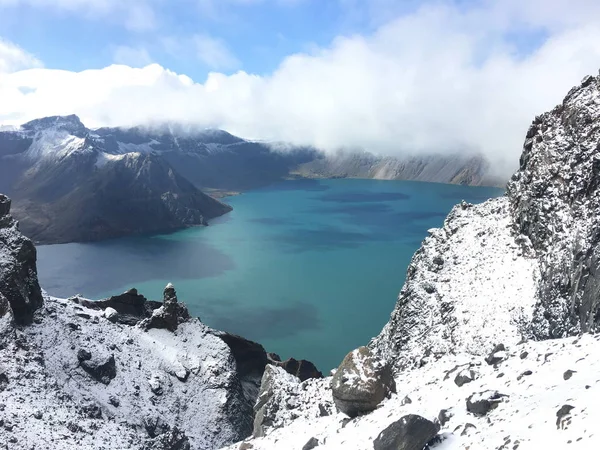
pixel 437 168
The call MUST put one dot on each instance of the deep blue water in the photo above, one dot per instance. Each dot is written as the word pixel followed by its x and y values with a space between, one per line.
pixel 309 268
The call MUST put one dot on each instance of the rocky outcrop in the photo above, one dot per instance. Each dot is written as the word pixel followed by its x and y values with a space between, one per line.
pixel 18 273
pixel 127 308
pixel 283 398
pixel 411 432
pixel 555 202
pixel 170 315
pixel 361 382
pixel 302 369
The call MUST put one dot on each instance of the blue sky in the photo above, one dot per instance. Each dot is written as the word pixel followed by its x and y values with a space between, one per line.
pixel 387 76
pixel 252 35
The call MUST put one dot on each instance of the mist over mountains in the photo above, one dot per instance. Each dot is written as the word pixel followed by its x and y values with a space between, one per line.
pixel 72 183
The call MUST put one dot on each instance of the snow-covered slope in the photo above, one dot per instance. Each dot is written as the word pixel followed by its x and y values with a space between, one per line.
pixel 535 381
pixel 185 380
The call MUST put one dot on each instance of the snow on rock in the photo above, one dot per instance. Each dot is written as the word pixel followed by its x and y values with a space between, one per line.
pixel 97 384
pixel 555 200
pixel 529 414
pixel 361 382
pixel 469 287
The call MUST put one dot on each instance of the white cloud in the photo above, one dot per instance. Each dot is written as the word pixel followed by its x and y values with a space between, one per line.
pixel 439 79
pixel 13 58
pixel 131 56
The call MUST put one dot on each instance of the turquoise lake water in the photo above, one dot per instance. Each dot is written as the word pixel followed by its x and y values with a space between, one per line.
pixel 308 268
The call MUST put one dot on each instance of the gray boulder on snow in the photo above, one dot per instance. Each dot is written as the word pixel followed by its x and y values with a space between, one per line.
pixel 361 382
pixel 483 402
pixel 411 432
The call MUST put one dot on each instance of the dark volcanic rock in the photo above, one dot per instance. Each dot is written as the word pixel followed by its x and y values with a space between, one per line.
pixel 18 272
pixel 302 369
pixel 130 306
pixel 411 432
pixel 312 443
pixel 361 382
pixel 482 403
pixel 100 368
pixel 169 315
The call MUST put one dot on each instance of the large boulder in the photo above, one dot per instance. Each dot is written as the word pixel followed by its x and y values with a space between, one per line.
pixel 361 382
pixel 411 432
pixel 18 271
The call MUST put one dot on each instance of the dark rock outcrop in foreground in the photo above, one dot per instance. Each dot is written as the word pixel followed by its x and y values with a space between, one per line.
pixel 411 432
pixel 302 369
pixel 361 382
pixel 19 286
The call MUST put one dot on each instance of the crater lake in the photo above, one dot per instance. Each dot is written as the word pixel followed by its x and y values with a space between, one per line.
pixel 308 268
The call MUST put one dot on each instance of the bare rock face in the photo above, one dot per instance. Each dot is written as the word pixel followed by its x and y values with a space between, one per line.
pixel 361 382
pixel 18 273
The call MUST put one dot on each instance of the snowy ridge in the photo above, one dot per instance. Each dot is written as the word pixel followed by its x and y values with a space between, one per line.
pixel 468 287
pixel 54 144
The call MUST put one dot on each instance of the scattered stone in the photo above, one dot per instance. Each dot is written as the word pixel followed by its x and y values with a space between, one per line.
pixel 37 414
pixel 483 402
pixel 111 314
pixel 312 443
pixel 497 355
pixel 524 374
pixel 523 354
pixel 467 429
pixel 361 382
pixel 114 401
pixel 406 401
pixel 102 368
pixel 245 446
pixel 444 416
pixel 465 376
pixel 568 374
pixel 411 432
pixel 563 416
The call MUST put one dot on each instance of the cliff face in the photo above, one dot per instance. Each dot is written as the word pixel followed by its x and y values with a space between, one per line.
pixel 555 203
pixel 20 293
pixel 452 169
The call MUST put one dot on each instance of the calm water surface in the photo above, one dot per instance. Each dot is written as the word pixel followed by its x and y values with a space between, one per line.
pixel 309 268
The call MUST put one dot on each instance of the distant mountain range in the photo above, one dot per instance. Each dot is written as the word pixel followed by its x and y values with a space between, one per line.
pixel 71 183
